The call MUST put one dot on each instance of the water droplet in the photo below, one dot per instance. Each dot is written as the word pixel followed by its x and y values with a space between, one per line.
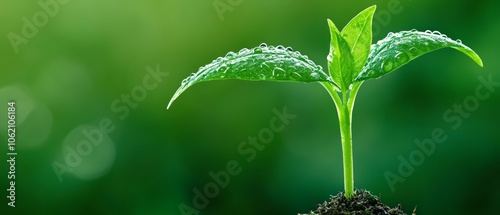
pixel 296 76
pixel 257 50
pixel 387 65
pixel 370 72
pixel 289 49
pixel 413 51
pixel 263 45
pixel 219 59
pixel 278 72
pixel 401 58
pixel 414 30
pixel 280 47
pixel 265 67
pixel 243 51
pixel 230 55
pixel 428 31
pixel 459 41
pixel 222 69
pixel 413 37
pixel 314 75
pixel 390 34
pixel 436 33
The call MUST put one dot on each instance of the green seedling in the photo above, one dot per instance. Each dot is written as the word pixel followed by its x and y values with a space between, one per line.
pixel 351 61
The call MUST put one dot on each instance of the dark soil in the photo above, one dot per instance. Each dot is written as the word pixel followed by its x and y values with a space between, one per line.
pixel 362 203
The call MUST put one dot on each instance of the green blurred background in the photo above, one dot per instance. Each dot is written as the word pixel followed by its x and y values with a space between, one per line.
pixel 72 75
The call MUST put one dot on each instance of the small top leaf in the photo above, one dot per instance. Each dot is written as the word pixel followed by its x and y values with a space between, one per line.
pixel 340 60
pixel 397 49
pixel 358 34
pixel 260 63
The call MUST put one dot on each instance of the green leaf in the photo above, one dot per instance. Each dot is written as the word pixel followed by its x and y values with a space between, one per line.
pixel 261 63
pixel 340 60
pixel 358 34
pixel 397 49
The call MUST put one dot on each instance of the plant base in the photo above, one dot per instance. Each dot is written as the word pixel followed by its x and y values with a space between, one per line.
pixel 362 203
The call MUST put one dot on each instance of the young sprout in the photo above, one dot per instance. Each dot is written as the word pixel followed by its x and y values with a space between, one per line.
pixel 351 61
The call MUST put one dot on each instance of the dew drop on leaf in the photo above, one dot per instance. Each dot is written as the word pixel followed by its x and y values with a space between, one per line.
pixel 387 65
pixel 436 33
pixel 265 67
pixel 263 45
pixel 401 58
pixel 230 55
pixel 243 51
pixel 257 50
pixel 278 72
pixel 289 49
pixel 314 75
pixel 371 72
pixel 280 47
pixel 296 76
pixel 413 51
pixel 459 41
pixel 222 69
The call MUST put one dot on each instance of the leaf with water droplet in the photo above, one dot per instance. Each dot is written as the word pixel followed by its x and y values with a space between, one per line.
pixel 257 64
pixel 402 47
pixel 340 62
pixel 358 34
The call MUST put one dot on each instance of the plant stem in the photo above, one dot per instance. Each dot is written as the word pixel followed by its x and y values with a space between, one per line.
pixel 345 107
